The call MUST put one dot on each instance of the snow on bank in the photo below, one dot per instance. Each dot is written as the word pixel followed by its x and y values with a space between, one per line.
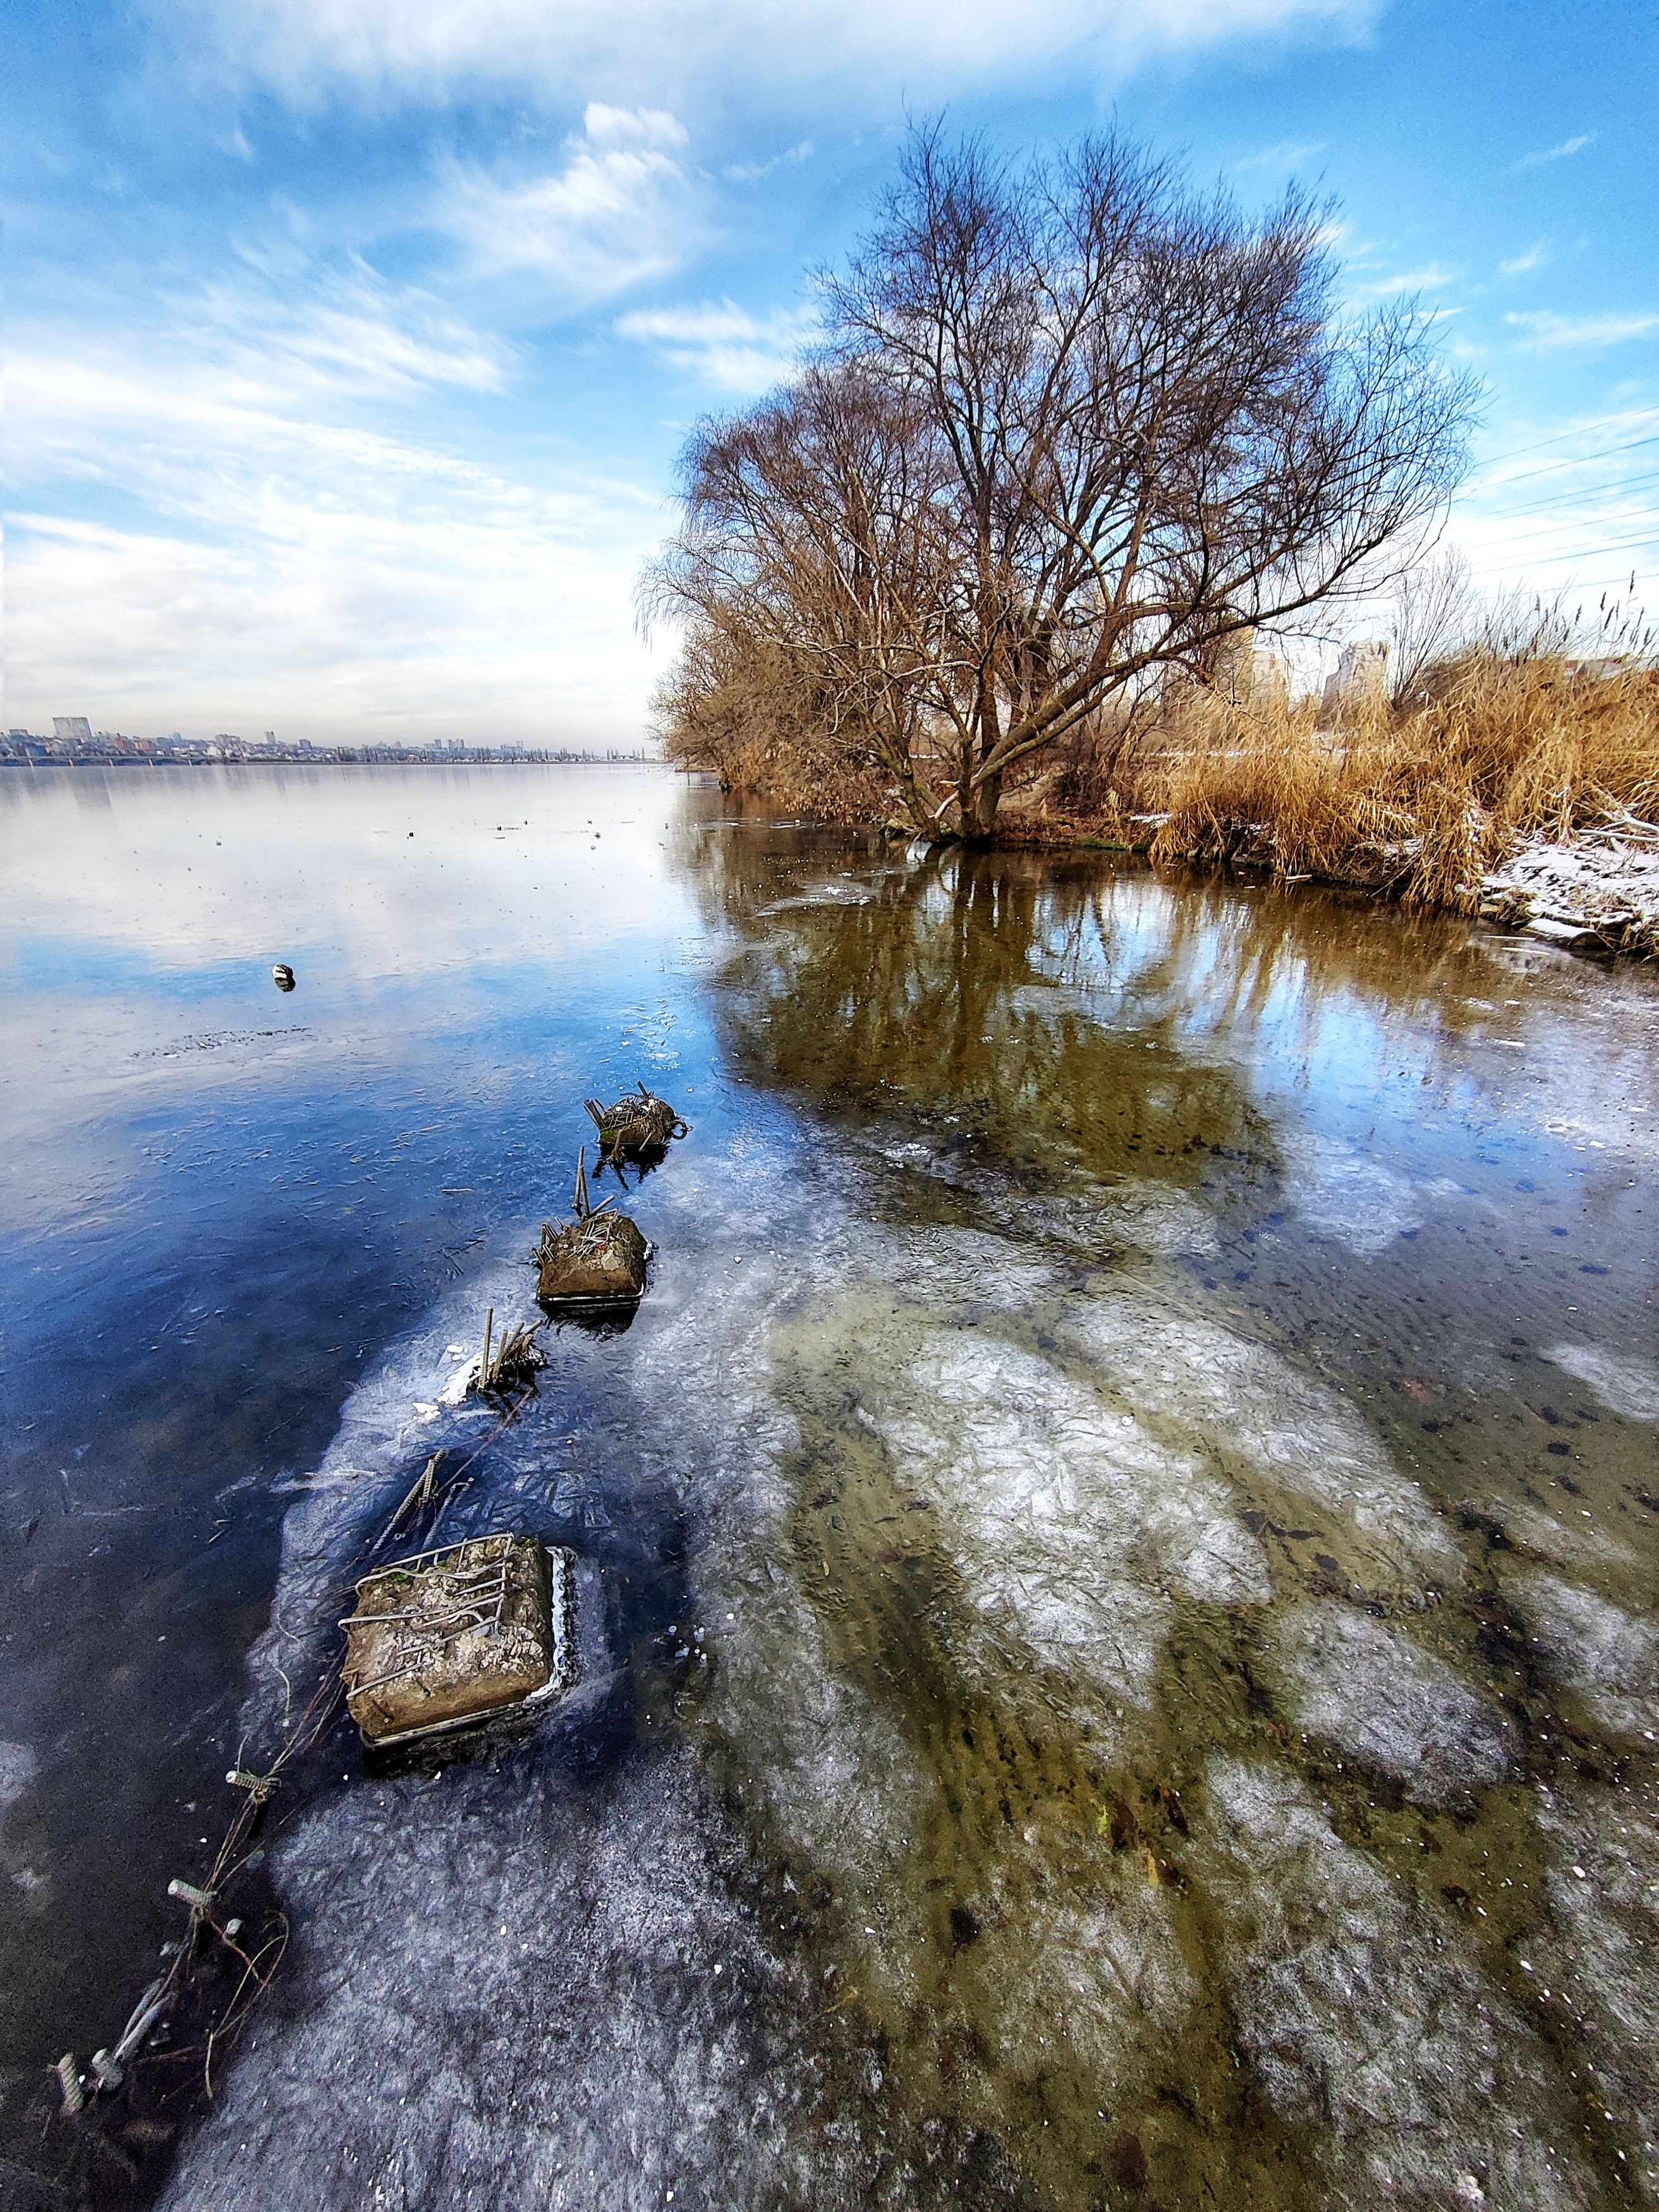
pixel 1602 888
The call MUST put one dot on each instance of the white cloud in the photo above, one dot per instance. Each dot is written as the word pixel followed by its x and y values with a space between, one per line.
pixel 1281 161
pixel 289 555
pixel 721 344
pixel 1547 332
pixel 310 52
pixel 1431 278
pixel 1561 153
pixel 1533 258
pixel 749 172
pixel 617 213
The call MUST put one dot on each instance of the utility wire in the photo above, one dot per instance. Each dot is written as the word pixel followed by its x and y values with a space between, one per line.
pixel 1566 498
pixel 1583 553
pixel 1577 461
pixel 1608 522
pixel 1518 453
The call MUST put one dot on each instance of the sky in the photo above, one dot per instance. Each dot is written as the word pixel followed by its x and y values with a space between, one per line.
pixel 349 344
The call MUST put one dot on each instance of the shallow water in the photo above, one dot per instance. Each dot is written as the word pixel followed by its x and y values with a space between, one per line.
pixel 1118 1586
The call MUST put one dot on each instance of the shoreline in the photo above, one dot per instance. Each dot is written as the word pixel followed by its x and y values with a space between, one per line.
pixel 1597 892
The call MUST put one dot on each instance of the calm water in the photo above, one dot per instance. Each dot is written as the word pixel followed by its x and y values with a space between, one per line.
pixel 1118 1559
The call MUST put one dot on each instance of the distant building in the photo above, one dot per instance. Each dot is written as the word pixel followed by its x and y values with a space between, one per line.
pixel 1361 678
pixel 72 729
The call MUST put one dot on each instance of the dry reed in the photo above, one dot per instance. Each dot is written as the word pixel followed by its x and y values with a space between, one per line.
pixel 1422 802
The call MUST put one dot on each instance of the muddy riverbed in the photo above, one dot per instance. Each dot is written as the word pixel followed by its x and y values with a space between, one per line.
pixel 1117 1588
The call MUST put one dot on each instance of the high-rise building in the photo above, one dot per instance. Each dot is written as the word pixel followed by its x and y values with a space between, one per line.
pixel 72 729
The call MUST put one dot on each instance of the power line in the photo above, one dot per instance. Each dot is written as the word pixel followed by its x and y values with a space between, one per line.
pixel 1518 453
pixel 1548 529
pixel 1566 498
pixel 1578 461
pixel 1582 553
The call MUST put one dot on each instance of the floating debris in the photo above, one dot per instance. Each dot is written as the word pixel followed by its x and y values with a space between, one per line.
pixel 598 1259
pixel 639 1126
pixel 441 1640
pixel 283 976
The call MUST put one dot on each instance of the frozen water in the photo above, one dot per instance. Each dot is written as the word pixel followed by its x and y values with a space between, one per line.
pixel 1381 1699
pixel 1607 1654
pixel 1370 2025
pixel 1624 1385
pixel 1341 1194
pixel 1528 1529
pixel 550 1997
pixel 1604 1950
pixel 1248 1405
pixel 18 1767
pixel 1072 1524
pixel 1099 1975
pixel 1093 1217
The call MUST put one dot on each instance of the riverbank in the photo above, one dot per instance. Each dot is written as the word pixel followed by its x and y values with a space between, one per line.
pixel 1599 892
pixel 1523 788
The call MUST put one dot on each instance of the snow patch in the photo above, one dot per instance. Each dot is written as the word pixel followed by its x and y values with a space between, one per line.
pixel 1605 885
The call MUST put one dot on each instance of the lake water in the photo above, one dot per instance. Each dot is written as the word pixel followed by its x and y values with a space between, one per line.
pixel 1117 1584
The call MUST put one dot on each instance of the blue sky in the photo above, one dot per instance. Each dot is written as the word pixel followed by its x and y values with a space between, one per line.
pixel 351 342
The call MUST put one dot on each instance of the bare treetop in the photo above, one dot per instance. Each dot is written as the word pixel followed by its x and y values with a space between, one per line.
pixel 1071 426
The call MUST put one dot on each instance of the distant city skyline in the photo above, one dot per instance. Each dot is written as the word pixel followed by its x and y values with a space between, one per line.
pixel 350 349
pixel 74 743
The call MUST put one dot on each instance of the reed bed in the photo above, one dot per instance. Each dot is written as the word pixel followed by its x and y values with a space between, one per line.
pixel 1423 801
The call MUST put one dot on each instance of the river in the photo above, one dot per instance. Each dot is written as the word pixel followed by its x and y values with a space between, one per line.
pixel 1117 1583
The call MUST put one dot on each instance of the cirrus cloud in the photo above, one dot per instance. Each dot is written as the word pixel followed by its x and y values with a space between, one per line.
pixel 1546 332
pixel 617 212
pixel 312 53
pixel 722 345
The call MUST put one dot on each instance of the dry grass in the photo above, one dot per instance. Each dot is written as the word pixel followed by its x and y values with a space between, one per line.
pixel 1423 801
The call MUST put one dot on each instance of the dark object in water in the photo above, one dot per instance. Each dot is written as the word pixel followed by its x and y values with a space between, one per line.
pixel 444 1639
pixel 514 1361
pixel 638 1126
pixel 598 1259
pixel 283 976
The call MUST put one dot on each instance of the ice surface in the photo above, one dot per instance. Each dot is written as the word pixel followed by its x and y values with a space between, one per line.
pixel 1624 1385
pixel 1381 1699
pixel 1098 1974
pixel 1528 1529
pixel 1341 1194
pixel 1604 1894
pixel 1370 2025
pixel 1072 1524
pixel 19 1766
pixel 547 1998
pixel 1093 1217
pixel 1250 1408
pixel 1607 1654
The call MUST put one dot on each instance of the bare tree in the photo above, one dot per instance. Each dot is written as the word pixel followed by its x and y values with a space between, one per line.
pixel 1435 612
pixel 1072 426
